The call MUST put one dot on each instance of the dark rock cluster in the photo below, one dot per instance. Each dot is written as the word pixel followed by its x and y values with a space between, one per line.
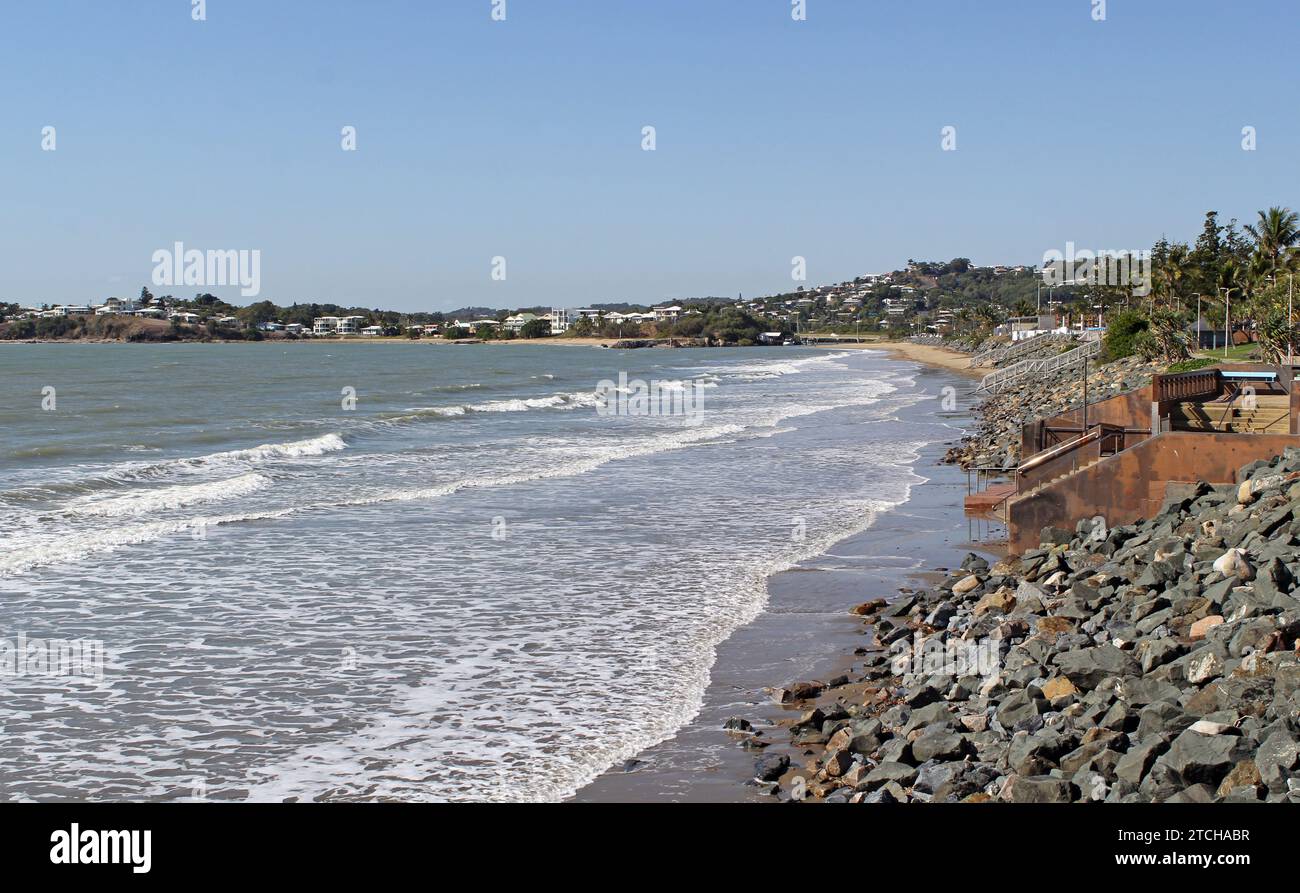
pixel 1155 661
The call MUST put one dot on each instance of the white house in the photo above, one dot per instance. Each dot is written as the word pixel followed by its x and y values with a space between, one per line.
pixel 325 325
pixel 114 306
pixel 561 319
pixel 372 331
pixel 350 325
pixel 518 321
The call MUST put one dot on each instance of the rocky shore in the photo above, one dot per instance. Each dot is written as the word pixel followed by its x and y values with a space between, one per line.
pixel 1148 662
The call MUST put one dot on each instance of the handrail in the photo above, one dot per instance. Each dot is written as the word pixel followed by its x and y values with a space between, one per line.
pixel 1182 385
pixel 1016 348
pixel 1059 450
pixel 999 377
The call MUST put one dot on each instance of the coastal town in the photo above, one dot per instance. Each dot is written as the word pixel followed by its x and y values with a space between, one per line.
pixel 923 297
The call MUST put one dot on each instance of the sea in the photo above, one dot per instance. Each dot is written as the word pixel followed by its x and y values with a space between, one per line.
pixel 341 571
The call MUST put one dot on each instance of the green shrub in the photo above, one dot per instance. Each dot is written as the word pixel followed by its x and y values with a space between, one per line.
pixel 1191 365
pixel 1122 336
pixel 1146 347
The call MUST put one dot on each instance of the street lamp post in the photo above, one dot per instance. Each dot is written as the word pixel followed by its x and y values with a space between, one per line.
pixel 1227 312
pixel 1197 295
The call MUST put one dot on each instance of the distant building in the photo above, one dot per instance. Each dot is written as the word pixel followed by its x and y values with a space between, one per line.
pixel 562 319
pixel 518 321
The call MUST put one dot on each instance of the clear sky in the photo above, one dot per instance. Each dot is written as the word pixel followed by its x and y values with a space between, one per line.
pixel 523 139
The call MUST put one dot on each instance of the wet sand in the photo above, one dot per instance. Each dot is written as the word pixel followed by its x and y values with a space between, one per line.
pixel 806 632
pixel 940 357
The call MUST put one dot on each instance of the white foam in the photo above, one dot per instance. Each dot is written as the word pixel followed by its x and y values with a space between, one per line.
pixel 164 498
pixel 315 446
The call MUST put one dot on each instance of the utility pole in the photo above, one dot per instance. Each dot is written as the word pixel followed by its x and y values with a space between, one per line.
pixel 1290 294
pixel 1198 320
pixel 1227 329
pixel 1085 397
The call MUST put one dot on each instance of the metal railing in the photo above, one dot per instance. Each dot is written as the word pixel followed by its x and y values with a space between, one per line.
pixel 1017 349
pixel 1042 366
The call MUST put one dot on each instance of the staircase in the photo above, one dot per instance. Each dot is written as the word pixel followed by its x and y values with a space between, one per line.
pixel 1267 414
pixel 1000 378
pixel 1016 350
pixel 1043 485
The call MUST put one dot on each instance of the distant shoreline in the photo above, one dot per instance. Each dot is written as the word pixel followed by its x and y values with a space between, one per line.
pixel 938 357
pixel 562 342
pixel 928 355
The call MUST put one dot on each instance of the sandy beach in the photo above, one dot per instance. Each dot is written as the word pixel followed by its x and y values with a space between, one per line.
pixel 943 358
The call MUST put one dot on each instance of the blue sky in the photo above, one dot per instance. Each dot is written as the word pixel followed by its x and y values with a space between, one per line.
pixel 522 139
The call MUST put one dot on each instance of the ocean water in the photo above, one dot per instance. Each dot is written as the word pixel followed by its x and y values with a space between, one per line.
pixel 404 571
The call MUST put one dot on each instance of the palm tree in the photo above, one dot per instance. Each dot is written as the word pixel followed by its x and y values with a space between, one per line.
pixel 1276 231
pixel 1175 267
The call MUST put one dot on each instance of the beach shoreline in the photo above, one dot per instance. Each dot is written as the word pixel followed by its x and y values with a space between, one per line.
pixel 806 630
pixel 938 357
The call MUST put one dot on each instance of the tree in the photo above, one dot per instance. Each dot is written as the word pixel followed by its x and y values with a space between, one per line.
pixel 1276 230
pixel 540 328
pixel 1275 336
pixel 1208 254
pixel 146 298
pixel 1168 332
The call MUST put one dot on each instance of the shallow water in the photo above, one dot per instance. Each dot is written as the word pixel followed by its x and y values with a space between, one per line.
pixel 473 585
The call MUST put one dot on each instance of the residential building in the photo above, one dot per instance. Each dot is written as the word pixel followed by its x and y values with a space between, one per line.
pixel 561 319
pixel 350 325
pixel 518 321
